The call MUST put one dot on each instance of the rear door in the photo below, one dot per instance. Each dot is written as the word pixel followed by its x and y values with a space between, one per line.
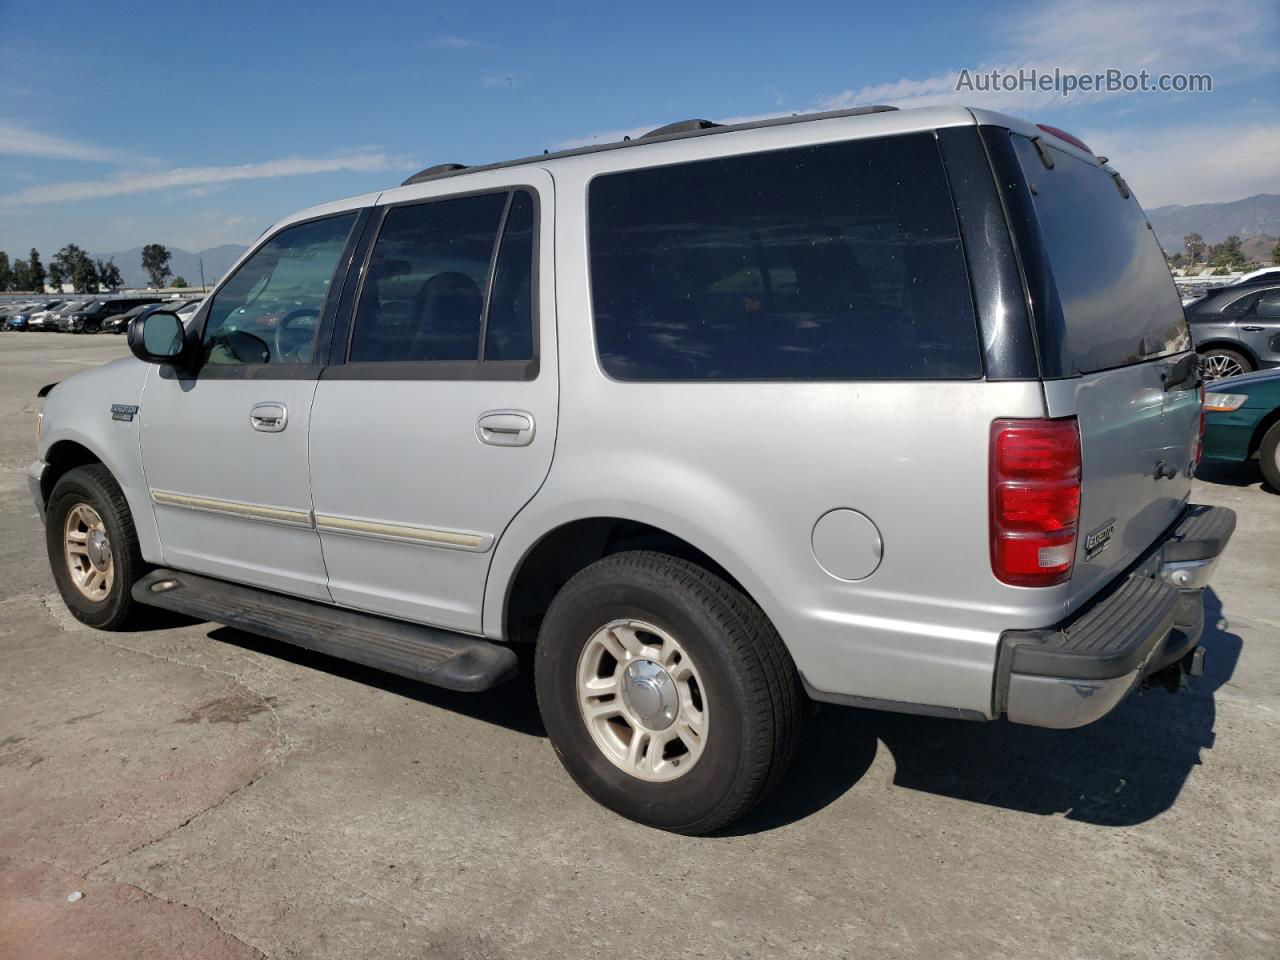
pixel 1259 329
pixel 1111 334
pixel 438 423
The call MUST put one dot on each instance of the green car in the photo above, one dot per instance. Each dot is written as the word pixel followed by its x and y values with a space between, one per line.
pixel 1242 420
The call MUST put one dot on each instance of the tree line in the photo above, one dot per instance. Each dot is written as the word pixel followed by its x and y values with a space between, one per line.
pixel 73 265
pixel 1225 257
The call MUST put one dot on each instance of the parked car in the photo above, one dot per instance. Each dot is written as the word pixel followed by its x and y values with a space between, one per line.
pixel 19 317
pixel 15 315
pixel 89 318
pixel 677 411
pixel 1264 275
pixel 1242 421
pixel 119 322
pixel 49 319
pixel 1237 329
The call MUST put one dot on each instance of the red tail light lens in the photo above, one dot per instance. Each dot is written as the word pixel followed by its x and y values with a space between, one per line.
pixel 1035 500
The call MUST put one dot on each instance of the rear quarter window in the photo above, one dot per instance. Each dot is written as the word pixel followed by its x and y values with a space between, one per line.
pixel 831 262
pixel 1119 304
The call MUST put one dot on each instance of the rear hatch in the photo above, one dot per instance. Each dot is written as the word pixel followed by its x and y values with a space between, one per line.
pixel 1115 353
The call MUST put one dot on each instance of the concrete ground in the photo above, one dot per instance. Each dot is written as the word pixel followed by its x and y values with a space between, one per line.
pixel 212 794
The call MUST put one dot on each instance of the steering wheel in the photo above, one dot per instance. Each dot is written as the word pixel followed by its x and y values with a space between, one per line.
pixel 283 350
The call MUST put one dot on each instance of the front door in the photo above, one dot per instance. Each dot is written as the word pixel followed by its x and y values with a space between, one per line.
pixel 225 448
pixel 440 425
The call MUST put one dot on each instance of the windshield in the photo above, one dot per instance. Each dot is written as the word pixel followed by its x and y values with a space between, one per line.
pixel 1119 304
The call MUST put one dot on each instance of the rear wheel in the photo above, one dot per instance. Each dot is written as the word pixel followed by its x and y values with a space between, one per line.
pixel 1269 456
pixel 667 694
pixel 93 548
pixel 1220 362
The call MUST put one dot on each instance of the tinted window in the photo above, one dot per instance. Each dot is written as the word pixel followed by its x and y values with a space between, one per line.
pixel 509 328
pixel 423 293
pixel 269 311
pixel 837 262
pixel 1119 302
pixel 1240 305
pixel 1268 305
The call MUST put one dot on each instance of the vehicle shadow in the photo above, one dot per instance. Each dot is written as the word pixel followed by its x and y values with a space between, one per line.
pixel 1247 474
pixel 514 705
pixel 1125 769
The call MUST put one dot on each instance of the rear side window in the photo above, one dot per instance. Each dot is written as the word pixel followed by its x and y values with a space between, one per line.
pixel 1119 302
pixel 833 262
pixel 446 276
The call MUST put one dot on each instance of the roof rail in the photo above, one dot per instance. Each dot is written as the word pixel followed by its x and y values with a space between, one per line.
pixel 680 126
pixel 672 131
pixel 440 169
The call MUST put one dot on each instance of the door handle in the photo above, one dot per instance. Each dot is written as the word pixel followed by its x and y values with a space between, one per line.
pixel 269 417
pixel 505 428
pixel 1253 328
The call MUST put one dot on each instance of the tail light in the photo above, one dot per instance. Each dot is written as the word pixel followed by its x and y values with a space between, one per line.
pixel 1035 500
pixel 1200 430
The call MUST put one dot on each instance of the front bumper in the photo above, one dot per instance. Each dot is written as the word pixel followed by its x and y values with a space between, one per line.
pixel 1076 672
pixel 35 481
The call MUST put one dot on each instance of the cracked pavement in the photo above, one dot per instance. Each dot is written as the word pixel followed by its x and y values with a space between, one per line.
pixel 213 794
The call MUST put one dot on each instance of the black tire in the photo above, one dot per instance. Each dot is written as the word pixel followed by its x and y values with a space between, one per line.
pixel 748 675
pixel 1215 356
pixel 1269 456
pixel 94 485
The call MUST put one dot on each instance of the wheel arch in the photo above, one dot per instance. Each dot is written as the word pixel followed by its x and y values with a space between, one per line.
pixel 70 448
pixel 515 603
pixel 1260 431
pixel 1235 346
pixel 63 456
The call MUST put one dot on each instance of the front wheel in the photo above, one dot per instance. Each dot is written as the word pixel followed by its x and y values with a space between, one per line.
pixel 93 548
pixel 666 693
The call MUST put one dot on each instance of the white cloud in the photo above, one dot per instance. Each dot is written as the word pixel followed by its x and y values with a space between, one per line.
pixel 1185 164
pixel 364 161
pixel 20 141
pixel 1092 36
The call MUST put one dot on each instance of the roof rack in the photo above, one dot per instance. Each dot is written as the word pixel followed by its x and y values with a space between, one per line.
pixel 680 126
pixel 672 131
pixel 439 170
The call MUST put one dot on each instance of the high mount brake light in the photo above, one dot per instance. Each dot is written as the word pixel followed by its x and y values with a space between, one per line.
pixel 1035 500
pixel 1063 135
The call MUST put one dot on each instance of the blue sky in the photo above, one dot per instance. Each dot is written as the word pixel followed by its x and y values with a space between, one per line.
pixel 125 123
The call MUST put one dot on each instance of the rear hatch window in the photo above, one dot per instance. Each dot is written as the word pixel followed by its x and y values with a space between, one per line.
pixel 1118 301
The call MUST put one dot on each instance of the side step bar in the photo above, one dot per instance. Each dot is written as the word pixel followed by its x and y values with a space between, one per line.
pixel 438 657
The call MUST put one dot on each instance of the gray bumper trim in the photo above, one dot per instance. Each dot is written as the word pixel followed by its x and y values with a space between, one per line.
pixel 35 479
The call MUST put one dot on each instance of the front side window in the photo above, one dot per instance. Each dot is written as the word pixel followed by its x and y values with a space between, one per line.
pixel 269 311
pixel 449 280
pixel 833 262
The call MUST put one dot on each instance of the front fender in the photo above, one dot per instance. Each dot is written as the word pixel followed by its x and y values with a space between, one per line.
pixel 79 411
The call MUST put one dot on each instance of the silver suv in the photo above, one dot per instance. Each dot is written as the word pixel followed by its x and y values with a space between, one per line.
pixel 890 409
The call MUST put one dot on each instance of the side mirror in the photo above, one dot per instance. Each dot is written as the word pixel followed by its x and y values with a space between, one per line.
pixel 158 337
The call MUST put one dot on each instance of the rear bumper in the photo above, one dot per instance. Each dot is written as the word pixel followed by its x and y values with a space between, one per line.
pixel 1077 671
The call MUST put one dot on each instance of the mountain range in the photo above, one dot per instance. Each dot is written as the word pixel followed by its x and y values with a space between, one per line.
pixel 1257 216
pixel 217 261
